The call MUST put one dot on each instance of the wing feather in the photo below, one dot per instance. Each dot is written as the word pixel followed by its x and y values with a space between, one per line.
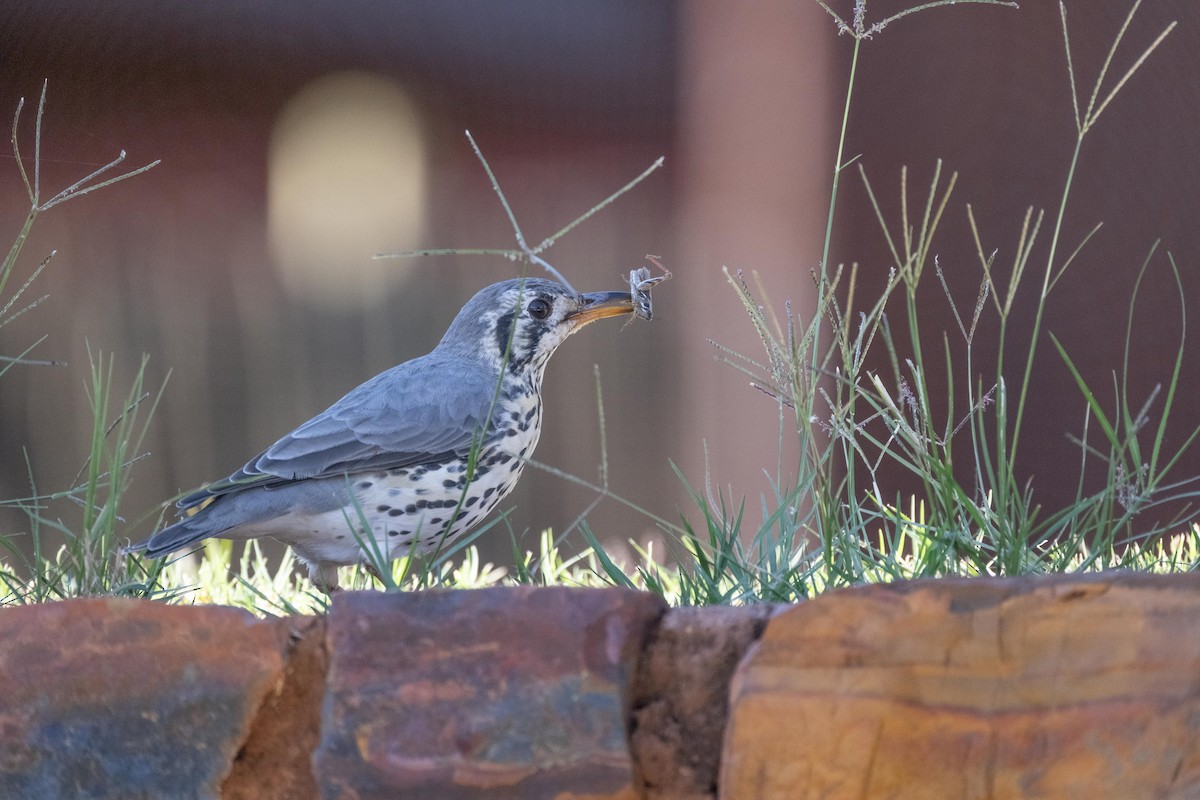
pixel 420 411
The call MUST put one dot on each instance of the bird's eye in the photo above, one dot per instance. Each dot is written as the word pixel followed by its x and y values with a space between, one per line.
pixel 539 308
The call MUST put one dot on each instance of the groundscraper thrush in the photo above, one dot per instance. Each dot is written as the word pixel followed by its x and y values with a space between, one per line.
pixel 420 453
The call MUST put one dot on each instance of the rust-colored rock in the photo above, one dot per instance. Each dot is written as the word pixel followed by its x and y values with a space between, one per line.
pixel 498 693
pixel 1064 687
pixel 275 763
pixel 680 700
pixel 117 698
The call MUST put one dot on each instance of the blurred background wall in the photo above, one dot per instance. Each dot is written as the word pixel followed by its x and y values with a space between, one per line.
pixel 298 139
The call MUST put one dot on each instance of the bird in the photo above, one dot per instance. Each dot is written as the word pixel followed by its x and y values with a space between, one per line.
pixel 411 459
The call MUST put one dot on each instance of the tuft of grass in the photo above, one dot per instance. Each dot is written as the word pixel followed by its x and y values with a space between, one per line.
pixel 88 559
pixel 829 522
pixel 253 582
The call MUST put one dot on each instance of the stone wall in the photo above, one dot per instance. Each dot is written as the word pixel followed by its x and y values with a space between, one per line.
pixel 1052 687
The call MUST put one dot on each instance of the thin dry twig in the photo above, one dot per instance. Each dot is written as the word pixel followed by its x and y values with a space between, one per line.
pixel 523 252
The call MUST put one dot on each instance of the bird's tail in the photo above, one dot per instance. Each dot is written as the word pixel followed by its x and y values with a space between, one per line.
pixel 182 534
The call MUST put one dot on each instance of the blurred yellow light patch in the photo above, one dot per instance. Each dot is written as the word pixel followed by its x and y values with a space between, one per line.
pixel 346 179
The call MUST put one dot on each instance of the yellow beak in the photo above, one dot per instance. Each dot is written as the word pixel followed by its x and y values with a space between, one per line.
pixel 598 305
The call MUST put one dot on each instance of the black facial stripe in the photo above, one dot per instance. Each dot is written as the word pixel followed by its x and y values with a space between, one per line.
pixel 503 331
pixel 525 342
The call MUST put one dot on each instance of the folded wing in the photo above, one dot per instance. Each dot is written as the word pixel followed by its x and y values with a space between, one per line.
pixel 422 411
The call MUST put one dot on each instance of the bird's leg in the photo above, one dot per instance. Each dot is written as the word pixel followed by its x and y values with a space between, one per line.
pixel 324 577
pixel 374 573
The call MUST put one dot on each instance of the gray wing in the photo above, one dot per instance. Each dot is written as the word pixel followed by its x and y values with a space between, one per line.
pixel 423 410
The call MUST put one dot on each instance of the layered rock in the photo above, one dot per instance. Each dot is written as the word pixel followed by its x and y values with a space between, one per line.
pixel 124 699
pixel 1029 688
pixel 494 693
pixel 1056 687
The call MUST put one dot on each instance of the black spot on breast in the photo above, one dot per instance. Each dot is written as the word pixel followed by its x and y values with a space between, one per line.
pixel 472 501
pixel 383 509
pixel 365 484
pixel 395 512
pixel 450 483
pixel 435 521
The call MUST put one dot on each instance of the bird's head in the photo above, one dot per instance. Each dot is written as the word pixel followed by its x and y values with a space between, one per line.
pixel 521 322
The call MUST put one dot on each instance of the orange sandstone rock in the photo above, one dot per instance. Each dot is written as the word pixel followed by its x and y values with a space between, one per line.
pixel 1059 687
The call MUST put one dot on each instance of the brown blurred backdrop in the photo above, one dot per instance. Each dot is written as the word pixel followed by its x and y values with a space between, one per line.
pixel 298 139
